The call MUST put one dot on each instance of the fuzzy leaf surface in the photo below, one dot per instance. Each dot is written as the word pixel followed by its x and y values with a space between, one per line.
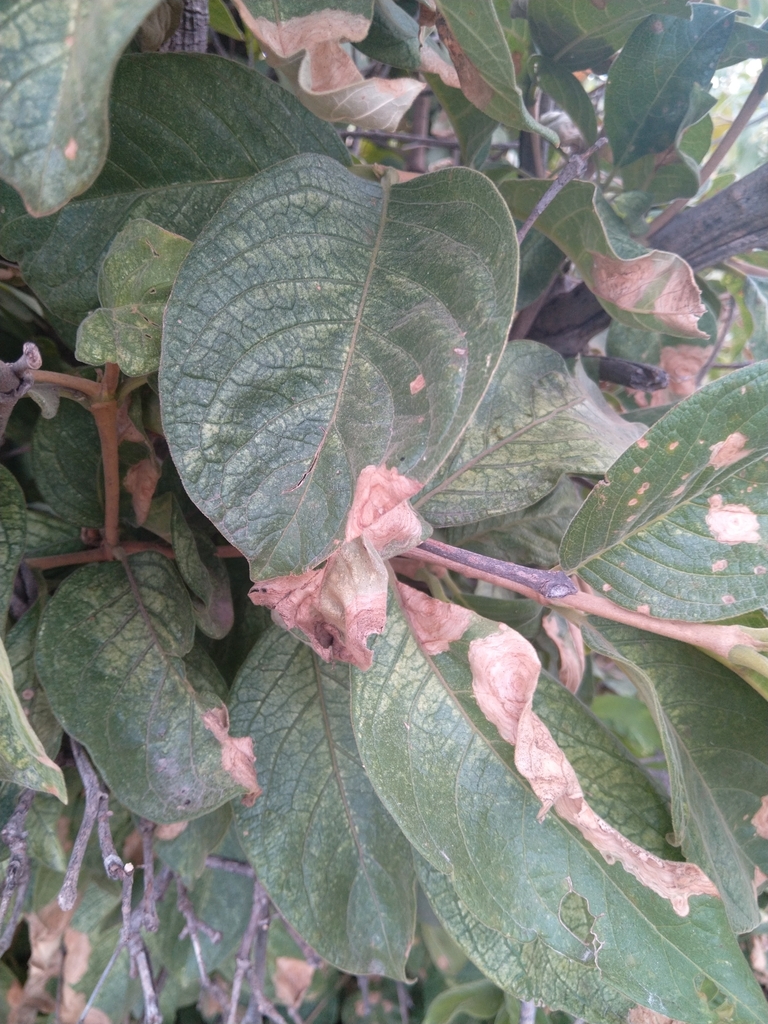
pixel 680 526
pixel 186 130
pixel 110 654
pixel 311 299
pixel 535 423
pixel 579 35
pixel 448 780
pixel 651 82
pixel 326 850
pixel 58 57
pixel 13 537
pixel 649 289
pixel 714 729
pixel 66 459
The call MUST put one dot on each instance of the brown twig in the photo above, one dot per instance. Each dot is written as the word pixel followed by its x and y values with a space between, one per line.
pixel 93 799
pixel 236 867
pixel 17 872
pixel 95 794
pixel 740 122
pixel 192 929
pixel 150 919
pixel 105 415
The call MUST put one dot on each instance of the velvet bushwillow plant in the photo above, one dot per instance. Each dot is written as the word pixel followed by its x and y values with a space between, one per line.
pixel 385 628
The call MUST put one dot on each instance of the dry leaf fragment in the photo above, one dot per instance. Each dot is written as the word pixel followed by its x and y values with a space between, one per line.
pixel 726 452
pixel 505 670
pixel 643 1015
pixel 567 637
pixel 682 363
pixel 291 979
pixel 337 608
pixel 140 482
pixel 760 819
pixel 237 755
pixel 436 624
pixel 168 832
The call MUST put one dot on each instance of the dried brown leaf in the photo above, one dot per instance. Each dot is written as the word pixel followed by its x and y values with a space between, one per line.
pixel 436 624
pixel 760 819
pixel 237 755
pixel 291 979
pixel 168 832
pixel 567 637
pixel 642 1015
pixel 505 670
pixel 140 482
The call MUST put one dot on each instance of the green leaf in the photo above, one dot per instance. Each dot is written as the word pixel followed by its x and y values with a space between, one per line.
pixel 535 422
pixel 185 853
pixel 23 759
pixel 630 719
pixel 449 781
pixel 134 284
pixel 540 259
pixel 20 645
pixel 679 527
pixel 110 655
pixel 186 130
pixel 478 999
pixel 221 21
pixel 531 536
pixel 49 535
pixel 332 294
pixel 643 288
pixel 744 43
pixel 205 575
pixel 714 730
pixel 393 37
pixel 58 58
pixel 756 301
pixel 569 94
pixel 13 537
pixel 484 64
pixel 650 83
pixel 66 460
pixel 473 129
pixel 327 852
pixel 520 613
pixel 585 35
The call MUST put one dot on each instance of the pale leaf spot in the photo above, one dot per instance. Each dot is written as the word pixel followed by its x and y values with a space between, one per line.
pixel 69 42
pixel 726 452
pixel 436 624
pixel 632 501
pixel 677 492
pixel 642 442
pixel 27 694
pixel 460 351
pixel 237 755
pixel 719 565
pixel 644 609
pixel 417 384
pixel 732 524
pixel 760 819
pixel 672 445
pixel 643 487
pixel 70 150
pixel 636 469
pixel 607 587
pixel 631 519
pixel 642 1015
pixel 168 832
pixel 728 599
pixel 291 979
pixel 759 570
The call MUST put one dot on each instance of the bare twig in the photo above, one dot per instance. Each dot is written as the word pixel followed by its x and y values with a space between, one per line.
pixel 126 899
pixel 527 1011
pixel 17 872
pixel 113 864
pixel 437 142
pixel 243 958
pixel 93 799
pixel 151 921
pixel 192 929
pixel 362 982
pixel 236 867
pixel 404 1002
pixel 100 983
pixel 574 168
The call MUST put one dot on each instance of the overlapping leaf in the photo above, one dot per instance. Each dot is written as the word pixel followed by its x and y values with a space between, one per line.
pixel 651 82
pixel 20 645
pixel 313 298
pixel 58 57
pixel 449 781
pixel 13 533
pixel 328 853
pixel 473 128
pixel 535 423
pixel 680 527
pixel 579 35
pixel 134 284
pixel 110 655
pixel 569 94
pixel 186 130
pixel 643 288
pixel 714 729
pixel 66 458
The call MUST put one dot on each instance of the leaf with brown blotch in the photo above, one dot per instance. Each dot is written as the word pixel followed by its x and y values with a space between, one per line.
pixel 566 636
pixel 336 608
pixel 436 623
pixel 307 51
pixel 237 754
pixel 760 819
pixel 292 978
pixel 140 481
pixel 505 671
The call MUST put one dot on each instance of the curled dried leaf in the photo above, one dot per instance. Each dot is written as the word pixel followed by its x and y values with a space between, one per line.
pixel 140 482
pixel 436 624
pixel 237 755
pixel 291 979
pixel 168 832
pixel 505 670
pixel 567 637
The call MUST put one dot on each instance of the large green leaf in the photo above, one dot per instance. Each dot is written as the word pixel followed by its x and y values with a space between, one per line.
pixel 531 536
pixel 714 730
pixel 649 289
pixel 23 759
pixel 651 82
pixel 134 284
pixel 449 781
pixel 586 35
pixel 744 42
pixel 680 527
pixel 569 94
pixel 110 654
pixel 323 323
pixel 20 645
pixel 13 537
pixel 66 458
pixel 484 64
pixel 328 853
pixel 535 423
pixel 58 57
pixel 186 130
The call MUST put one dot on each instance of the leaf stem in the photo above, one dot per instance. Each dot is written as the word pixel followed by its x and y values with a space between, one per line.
pixel 100 554
pixel 91 388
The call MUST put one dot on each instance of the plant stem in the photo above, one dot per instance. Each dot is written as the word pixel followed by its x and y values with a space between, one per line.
pixel 105 414
pixel 91 388
pixel 130 547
